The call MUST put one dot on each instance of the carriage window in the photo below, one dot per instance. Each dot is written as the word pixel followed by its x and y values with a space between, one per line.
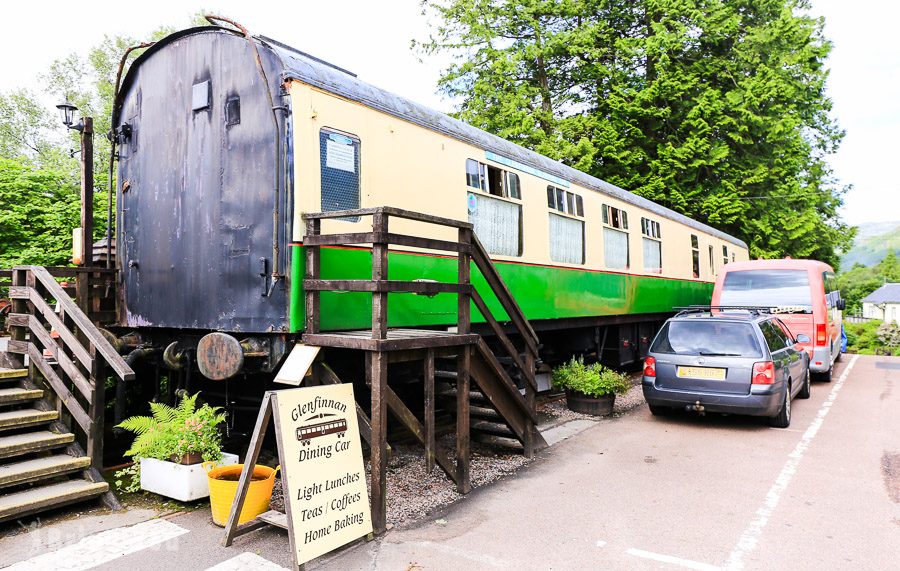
pixel 695 255
pixel 650 228
pixel 652 245
pixel 474 174
pixel 565 201
pixel 340 162
pixel 615 249
pixel 492 180
pixel 497 223
pixel 712 261
pixel 724 255
pixel 566 239
pixel 616 255
pixel 513 185
pixel 615 217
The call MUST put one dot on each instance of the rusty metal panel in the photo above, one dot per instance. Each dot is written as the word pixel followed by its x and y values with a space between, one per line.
pixel 196 187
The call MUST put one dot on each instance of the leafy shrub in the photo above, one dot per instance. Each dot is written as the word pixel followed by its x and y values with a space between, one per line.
pixel 871 337
pixel 173 432
pixel 592 380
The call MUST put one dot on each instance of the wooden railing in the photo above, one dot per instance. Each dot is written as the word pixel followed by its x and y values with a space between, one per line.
pixel 66 348
pixel 92 288
pixel 467 248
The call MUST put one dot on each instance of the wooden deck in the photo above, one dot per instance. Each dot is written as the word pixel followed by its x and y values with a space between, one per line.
pixel 395 339
pixel 475 361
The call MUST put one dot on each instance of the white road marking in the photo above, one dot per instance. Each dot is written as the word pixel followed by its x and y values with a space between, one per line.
pixel 103 547
pixel 750 538
pixel 247 562
pixel 687 563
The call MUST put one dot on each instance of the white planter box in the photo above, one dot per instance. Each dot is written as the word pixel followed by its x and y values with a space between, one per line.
pixel 177 481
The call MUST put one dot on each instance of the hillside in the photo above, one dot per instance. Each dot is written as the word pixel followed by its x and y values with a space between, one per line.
pixel 872 243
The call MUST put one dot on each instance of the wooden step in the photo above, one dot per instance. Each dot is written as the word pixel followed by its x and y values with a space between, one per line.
pixel 41 498
pixel 498 441
pixel 13 374
pixel 495 428
pixel 41 468
pixel 26 417
pixel 19 444
pixel 474 396
pixel 481 412
pixel 274 517
pixel 14 395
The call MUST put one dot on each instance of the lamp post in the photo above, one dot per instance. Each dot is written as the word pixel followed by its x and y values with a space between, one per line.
pixel 85 127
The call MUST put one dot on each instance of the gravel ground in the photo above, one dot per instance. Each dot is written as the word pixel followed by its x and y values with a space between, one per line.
pixel 413 493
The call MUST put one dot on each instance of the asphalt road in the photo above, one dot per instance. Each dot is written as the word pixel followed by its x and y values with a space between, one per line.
pixel 636 492
pixel 688 492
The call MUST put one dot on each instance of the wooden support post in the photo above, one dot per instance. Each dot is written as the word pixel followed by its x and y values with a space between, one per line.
pixel 463 363
pixel 528 444
pixel 379 272
pixel 87 202
pixel 313 271
pixel 376 370
pixel 259 432
pixel 328 377
pixel 83 279
pixel 464 311
pixel 429 410
pixel 17 332
pixel 96 409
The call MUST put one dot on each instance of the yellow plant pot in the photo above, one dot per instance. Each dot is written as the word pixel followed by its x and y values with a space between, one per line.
pixel 223 484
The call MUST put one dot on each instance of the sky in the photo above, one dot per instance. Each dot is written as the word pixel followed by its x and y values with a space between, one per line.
pixel 372 39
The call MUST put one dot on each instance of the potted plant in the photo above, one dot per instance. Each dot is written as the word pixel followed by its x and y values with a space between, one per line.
pixel 171 445
pixel 590 389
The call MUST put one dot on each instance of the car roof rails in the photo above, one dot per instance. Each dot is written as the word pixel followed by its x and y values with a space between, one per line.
pixel 752 309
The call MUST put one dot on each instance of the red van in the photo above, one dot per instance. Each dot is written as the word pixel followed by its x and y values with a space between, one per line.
pixel 806 295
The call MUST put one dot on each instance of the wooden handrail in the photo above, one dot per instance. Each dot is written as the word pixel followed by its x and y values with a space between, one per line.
pixel 85 326
pixel 503 337
pixel 390 211
pixel 506 299
pixel 468 249
pixel 79 349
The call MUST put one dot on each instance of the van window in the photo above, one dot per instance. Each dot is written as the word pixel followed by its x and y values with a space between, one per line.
pixel 707 338
pixel 766 288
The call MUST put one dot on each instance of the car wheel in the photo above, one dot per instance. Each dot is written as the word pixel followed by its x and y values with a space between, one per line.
pixel 826 376
pixel 804 390
pixel 783 418
pixel 657 410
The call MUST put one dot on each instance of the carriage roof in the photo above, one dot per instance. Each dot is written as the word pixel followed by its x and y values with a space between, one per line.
pixel 323 75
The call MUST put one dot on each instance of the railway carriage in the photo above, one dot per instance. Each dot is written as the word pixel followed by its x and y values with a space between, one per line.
pixel 225 141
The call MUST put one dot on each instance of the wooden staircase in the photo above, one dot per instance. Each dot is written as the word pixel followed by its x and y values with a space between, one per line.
pixel 483 383
pixel 51 413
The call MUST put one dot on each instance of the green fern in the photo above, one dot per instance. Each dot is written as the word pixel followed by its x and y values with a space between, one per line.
pixel 175 431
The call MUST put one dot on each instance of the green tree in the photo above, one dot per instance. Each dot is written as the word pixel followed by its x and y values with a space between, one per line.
pixel 714 108
pixel 41 207
pixel 859 281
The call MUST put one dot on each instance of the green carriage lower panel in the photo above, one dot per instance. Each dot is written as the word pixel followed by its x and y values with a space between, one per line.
pixel 542 292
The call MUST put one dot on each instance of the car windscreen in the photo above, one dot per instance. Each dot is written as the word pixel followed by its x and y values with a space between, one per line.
pixel 768 288
pixel 708 337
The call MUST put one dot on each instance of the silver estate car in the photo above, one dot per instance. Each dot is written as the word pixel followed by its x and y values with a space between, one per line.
pixel 740 362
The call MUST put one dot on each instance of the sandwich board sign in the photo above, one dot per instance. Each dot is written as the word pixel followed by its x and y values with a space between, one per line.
pixel 323 476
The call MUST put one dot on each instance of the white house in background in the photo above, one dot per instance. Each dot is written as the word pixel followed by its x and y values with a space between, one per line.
pixel 883 303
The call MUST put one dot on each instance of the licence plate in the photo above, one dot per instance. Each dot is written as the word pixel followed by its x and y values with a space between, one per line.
pixel 701 373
